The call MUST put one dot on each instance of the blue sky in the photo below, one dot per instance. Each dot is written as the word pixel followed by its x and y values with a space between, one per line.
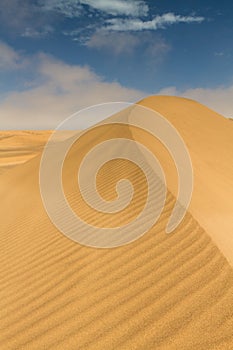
pixel 74 53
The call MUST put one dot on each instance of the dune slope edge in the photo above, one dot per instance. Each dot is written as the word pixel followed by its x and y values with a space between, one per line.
pixel 159 292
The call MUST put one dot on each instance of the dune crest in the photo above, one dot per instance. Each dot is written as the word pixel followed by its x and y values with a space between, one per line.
pixel 159 292
pixel 208 137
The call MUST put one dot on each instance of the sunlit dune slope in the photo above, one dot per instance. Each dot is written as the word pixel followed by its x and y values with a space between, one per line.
pixel 209 139
pixel 160 292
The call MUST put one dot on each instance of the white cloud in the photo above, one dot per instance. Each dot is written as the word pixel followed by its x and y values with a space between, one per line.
pixel 36 19
pixel 74 8
pixel 116 43
pixel 37 33
pixel 125 43
pixel 119 7
pixel 68 8
pixel 219 99
pixel 219 54
pixel 61 90
pixel 9 58
pixel 167 19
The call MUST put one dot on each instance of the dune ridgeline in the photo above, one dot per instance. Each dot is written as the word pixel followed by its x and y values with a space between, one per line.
pixel 161 291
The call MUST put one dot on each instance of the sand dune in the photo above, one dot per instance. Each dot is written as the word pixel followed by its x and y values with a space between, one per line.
pixel 159 292
pixel 209 138
pixel 17 147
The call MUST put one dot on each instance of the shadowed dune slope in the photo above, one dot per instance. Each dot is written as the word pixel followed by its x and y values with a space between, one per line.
pixel 160 292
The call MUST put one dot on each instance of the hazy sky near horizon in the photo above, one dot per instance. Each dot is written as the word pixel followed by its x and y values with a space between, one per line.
pixel 57 56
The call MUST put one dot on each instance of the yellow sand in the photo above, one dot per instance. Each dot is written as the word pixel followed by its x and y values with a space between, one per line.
pixel 209 138
pixel 16 147
pixel 160 292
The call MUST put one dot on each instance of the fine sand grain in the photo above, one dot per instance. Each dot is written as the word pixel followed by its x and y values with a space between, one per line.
pixel 161 291
pixel 209 138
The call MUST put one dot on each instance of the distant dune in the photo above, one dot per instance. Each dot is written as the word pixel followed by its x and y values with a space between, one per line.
pixel 160 292
pixel 17 147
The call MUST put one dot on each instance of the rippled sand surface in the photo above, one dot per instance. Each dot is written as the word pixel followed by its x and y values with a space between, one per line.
pixel 160 292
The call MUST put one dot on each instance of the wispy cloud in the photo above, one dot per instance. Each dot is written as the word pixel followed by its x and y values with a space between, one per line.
pixel 104 38
pixel 41 18
pixel 158 22
pixel 219 54
pixel 126 43
pixel 157 48
pixel 119 7
pixel 59 90
pixel 37 33
pixel 115 43
pixel 67 8
pixel 9 58
pixel 74 8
